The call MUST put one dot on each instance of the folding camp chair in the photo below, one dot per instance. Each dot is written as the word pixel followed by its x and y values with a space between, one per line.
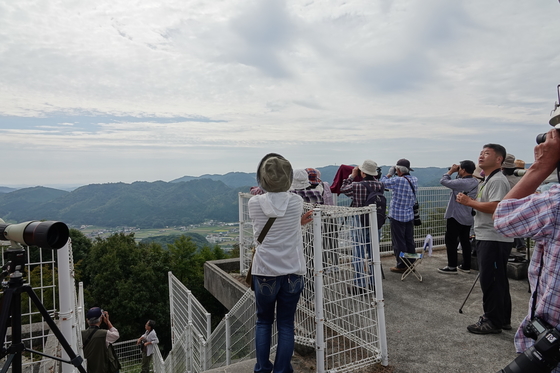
pixel 411 261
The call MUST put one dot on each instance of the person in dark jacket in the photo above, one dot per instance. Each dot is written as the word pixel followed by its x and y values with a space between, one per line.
pixel 96 341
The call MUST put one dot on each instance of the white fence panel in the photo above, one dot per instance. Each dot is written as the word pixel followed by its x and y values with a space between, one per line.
pixel 40 273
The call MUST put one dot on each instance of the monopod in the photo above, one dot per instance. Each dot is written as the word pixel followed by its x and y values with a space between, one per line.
pixel 472 287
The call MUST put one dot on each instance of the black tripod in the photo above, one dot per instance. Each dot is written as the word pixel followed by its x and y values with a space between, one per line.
pixel 11 309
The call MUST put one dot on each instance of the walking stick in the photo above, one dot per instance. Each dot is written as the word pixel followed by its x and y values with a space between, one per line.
pixel 472 287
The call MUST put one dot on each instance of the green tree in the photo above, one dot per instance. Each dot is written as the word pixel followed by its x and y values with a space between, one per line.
pixel 81 245
pixel 185 264
pixel 188 266
pixel 234 253
pixel 130 282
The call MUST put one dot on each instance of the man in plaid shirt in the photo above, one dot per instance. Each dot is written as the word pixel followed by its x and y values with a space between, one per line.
pixel 362 256
pixel 401 214
pixel 522 213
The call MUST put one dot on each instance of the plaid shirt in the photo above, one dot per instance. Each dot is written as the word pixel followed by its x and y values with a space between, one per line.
pixel 402 199
pixel 309 195
pixel 536 216
pixel 357 191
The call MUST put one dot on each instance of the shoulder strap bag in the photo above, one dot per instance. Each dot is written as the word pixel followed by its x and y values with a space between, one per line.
pixel 89 337
pixel 416 207
pixel 260 239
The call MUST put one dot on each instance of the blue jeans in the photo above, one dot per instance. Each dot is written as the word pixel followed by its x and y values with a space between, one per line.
pixel 362 259
pixel 282 294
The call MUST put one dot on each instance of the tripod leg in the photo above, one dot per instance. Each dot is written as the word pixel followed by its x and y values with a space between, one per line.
pixel 470 291
pixel 76 360
pixel 5 315
pixel 528 257
pixel 7 363
pixel 12 307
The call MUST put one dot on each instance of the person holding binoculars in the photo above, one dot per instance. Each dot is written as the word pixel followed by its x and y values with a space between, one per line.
pixel 459 218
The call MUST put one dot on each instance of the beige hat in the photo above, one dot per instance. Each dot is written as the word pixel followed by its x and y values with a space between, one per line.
pixel 478 173
pixel 369 167
pixel 274 173
pixel 519 163
pixel 509 161
pixel 301 179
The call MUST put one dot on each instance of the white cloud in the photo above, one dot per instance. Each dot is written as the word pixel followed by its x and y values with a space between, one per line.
pixel 330 82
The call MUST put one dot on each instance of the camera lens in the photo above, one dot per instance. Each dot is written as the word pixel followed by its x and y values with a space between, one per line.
pixel 541 138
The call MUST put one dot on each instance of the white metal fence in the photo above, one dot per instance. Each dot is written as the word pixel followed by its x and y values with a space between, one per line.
pixel 432 200
pixel 40 274
pixel 129 355
pixel 341 309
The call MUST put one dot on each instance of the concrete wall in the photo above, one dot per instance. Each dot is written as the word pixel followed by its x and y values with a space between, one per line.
pixel 221 284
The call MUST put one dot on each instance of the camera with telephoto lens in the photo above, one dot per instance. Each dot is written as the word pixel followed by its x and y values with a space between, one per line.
pixel 543 356
pixel 554 118
pixel 473 212
pixel 142 344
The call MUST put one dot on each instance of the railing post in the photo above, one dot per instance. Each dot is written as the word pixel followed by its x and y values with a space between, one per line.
pixel 228 340
pixel 208 325
pixel 380 302
pixel 318 276
pixel 189 306
pixel 81 312
pixel 66 298
pixel 202 354
pixel 241 235
pixel 171 306
pixel 188 347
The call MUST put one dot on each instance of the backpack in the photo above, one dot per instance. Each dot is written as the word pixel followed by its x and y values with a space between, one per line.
pixel 376 198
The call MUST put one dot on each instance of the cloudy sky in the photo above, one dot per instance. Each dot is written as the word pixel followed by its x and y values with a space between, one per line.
pixel 107 91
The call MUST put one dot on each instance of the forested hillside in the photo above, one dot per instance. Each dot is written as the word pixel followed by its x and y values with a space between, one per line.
pixel 140 204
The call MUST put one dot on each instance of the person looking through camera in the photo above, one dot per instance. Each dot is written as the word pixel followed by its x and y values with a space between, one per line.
pixel 147 341
pixel 96 341
pixel 525 213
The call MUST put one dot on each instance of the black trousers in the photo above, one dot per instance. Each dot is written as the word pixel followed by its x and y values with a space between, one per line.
pixel 454 234
pixel 402 237
pixel 492 262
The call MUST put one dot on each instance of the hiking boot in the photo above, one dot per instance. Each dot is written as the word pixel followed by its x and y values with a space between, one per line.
pixel 397 269
pixel 464 270
pixel 483 326
pixel 447 270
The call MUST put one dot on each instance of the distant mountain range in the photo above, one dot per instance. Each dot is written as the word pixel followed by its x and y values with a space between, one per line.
pixel 141 204
pixel 180 202
pixel 428 176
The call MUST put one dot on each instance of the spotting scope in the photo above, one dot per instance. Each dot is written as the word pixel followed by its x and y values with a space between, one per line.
pixel 45 234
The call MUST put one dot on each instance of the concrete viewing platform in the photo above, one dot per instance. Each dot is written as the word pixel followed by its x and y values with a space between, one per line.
pixel 425 331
